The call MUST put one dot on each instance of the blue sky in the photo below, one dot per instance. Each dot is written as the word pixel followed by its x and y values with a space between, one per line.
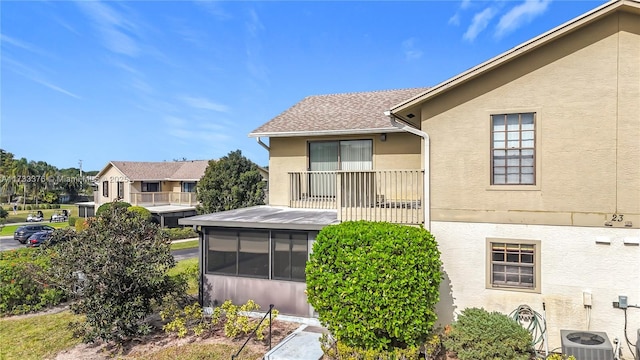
pixel 163 80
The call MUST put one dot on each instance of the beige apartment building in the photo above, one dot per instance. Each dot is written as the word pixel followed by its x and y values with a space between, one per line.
pixel 166 188
pixel 526 168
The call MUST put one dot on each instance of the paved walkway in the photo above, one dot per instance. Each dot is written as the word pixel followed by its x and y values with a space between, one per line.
pixel 302 344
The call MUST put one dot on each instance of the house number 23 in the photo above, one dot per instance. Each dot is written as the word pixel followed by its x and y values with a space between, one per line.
pixel 617 217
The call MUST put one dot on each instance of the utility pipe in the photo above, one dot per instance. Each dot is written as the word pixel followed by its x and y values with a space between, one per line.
pixel 262 144
pixel 427 199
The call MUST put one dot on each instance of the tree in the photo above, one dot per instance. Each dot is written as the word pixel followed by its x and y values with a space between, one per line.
pixel 120 262
pixel 230 183
pixel 375 284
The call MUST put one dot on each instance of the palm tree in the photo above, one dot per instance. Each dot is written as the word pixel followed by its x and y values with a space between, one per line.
pixel 21 171
pixel 6 185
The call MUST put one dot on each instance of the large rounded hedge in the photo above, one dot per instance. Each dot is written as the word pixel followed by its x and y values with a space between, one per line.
pixel 374 284
pixel 110 205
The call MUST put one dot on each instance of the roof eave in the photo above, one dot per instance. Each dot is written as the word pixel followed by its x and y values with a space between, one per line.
pixel 515 52
pixel 324 132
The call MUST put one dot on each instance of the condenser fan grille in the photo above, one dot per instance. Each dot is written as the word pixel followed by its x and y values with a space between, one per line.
pixel 584 338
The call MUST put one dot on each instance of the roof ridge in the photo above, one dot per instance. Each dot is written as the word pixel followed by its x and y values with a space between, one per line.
pixel 368 92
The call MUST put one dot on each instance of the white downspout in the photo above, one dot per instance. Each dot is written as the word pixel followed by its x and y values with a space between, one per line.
pixel 427 186
pixel 262 144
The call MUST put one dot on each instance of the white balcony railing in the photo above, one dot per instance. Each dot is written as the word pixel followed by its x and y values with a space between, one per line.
pixel 163 198
pixel 376 195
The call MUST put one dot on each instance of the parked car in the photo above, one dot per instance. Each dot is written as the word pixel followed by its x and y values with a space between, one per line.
pixel 23 232
pixel 37 239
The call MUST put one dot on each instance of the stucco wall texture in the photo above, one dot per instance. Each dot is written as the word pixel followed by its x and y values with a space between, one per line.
pixel 573 260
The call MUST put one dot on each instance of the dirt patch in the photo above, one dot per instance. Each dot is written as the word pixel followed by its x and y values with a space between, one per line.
pixel 160 340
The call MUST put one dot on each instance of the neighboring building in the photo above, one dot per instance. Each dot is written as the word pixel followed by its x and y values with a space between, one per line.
pixel 532 182
pixel 167 189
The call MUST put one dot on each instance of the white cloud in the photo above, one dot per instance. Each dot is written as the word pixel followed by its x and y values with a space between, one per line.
pixel 521 15
pixel 410 50
pixel 55 87
pixel 479 23
pixel 35 76
pixel 22 45
pixel 254 63
pixel 455 19
pixel 116 31
pixel 202 103
pixel 213 7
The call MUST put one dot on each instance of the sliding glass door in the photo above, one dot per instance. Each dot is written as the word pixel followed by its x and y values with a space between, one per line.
pixel 326 157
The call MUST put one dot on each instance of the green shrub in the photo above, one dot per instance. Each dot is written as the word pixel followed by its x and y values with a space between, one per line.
pixel 28 207
pixel 3 213
pixel 110 205
pixel 232 318
pixel 374 284
pixel 140 211
pixel 180 233
pixel 124 262
pixel 478 334
pixel 45 206
pixel 55 206
pixel 82 224
pixel 19 208
pixel 560 357
pixel 337 350
pixel 72 221
pixel 430 350
pixel 23 284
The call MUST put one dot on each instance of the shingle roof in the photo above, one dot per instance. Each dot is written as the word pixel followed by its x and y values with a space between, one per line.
pixel 165 170
pixel 339 113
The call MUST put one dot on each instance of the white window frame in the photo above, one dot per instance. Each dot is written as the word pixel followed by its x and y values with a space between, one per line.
pixel 516 142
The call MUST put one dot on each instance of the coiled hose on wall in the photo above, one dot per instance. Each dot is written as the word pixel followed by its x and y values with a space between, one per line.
pixel 533 322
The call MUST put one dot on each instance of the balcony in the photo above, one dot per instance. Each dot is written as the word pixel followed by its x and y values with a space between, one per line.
pixel 386 195
pixel 163 198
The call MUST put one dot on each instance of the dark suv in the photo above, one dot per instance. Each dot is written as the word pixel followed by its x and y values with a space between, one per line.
pixel 23 232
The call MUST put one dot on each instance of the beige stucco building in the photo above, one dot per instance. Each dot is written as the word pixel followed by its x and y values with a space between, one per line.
pixel 526 168
pixel 167 189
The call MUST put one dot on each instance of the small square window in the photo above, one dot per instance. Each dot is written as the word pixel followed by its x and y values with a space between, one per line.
pixel 513 264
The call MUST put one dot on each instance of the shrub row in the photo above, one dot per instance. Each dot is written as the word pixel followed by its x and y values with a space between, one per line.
pixel 231 318
pixel 336 350
pixel 23 287
pixel 180 233
pixel 35 207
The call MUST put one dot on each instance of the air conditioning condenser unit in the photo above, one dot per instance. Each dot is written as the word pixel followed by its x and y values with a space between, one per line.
pixel 586 345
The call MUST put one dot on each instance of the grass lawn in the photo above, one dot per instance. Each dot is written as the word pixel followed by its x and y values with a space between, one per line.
pixel 200 351
pixel 36 337
pixel 21 216
pixel 8 230
pixel 43 336
pixel 184 245
pixel 181 267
